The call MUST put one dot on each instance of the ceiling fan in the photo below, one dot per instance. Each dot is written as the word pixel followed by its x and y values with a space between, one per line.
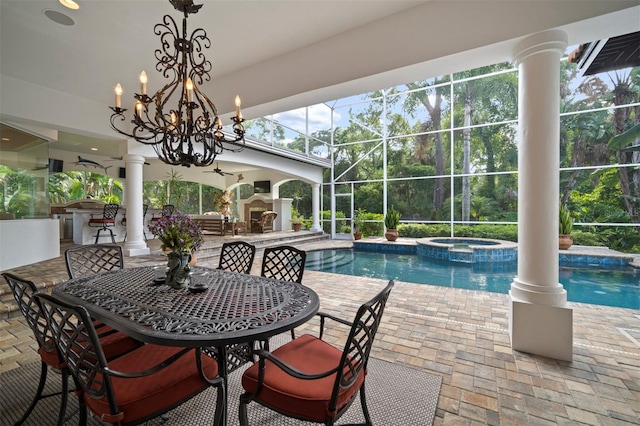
pixel 218 170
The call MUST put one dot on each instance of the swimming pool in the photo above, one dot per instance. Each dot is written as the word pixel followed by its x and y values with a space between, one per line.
pixel 615 286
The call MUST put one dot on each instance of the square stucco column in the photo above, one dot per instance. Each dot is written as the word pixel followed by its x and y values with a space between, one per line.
pixel 540 322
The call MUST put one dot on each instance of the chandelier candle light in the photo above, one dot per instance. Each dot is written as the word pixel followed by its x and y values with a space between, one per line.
pixel 179 121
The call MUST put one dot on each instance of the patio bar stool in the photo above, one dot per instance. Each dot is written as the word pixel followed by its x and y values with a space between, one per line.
pixel 106 222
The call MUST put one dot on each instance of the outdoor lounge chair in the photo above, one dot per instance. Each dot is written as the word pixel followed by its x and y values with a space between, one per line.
pixel 265 223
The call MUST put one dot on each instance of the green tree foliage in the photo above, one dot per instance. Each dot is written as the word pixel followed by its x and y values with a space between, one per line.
pixel 18 194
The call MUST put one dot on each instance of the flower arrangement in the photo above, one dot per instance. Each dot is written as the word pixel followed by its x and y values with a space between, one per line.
pixel 177 232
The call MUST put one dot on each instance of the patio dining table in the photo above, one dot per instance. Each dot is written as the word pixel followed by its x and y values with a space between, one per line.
pixel 234 309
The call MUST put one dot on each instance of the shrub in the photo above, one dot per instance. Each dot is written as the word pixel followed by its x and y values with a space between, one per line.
pixel 499 232
pixel 587 239
pixel 371 224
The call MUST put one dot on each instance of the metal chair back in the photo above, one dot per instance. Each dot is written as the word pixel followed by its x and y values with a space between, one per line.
pixel 24 292
pixel 168 209
pixel 78 343
pixel 237 256
pixel 92 259
pixel 358 346
pixel 110 211
pixel 284 263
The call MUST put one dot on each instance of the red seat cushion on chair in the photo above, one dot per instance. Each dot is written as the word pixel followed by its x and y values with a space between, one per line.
pixel 307 399
pixel 144 396
pixel 114 344
pixel 101 220
pixel 51 358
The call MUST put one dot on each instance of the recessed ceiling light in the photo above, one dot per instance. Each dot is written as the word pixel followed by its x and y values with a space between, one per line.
pixel 70 4
pixel 58 17
pixel 94 149
pixel 6 139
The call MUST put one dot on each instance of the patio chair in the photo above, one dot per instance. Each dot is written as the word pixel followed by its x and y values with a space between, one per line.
pixel 284 263
pixel 265 223
pixel 107 221
pixel 123 222
pixel 309 379
pixel 136 387
pixel 92 259
pixel 167 210
pixel 237 256
pixel 114 343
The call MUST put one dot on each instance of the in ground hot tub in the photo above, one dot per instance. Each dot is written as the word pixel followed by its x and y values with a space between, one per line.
pixel 467 250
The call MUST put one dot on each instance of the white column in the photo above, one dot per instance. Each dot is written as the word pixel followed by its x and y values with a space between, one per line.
pixel 135 244
pixel 540 321
pixel 315 207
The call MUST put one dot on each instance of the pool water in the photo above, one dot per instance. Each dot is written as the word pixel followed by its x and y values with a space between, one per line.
pixel 618 287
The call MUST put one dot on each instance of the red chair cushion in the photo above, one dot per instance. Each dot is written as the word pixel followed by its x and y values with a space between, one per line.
pixel 306 399
pixel 101 220
pixel 51 358
pixel 141 397
pixel 114 344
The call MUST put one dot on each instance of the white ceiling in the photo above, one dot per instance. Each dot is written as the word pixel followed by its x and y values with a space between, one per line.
pixel 278 55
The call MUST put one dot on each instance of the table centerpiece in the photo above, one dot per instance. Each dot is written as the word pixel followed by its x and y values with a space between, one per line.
pixel 180 237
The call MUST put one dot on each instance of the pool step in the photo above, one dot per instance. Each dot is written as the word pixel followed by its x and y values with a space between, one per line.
pixel 291 239
pixel 318 260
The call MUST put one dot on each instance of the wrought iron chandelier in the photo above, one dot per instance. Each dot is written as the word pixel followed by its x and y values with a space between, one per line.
pixel 179 121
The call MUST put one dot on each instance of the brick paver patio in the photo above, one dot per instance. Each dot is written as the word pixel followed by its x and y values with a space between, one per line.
pixel 463 336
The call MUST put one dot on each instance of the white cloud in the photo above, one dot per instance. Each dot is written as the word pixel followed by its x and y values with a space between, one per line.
pixel 319 118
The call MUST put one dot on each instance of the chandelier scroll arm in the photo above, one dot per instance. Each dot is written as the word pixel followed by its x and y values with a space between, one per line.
pixel 188 132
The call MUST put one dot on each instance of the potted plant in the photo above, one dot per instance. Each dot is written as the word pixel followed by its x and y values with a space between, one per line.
pixel 391 221
pixel 565 227
pixel 297 222
pixel 180 237
pixel 358 221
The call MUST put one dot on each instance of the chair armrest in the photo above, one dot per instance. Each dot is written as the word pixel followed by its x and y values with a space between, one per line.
pixel 264 355
pixel 323 316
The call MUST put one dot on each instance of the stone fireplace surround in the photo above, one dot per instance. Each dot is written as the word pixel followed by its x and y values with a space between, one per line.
pixel 254 208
